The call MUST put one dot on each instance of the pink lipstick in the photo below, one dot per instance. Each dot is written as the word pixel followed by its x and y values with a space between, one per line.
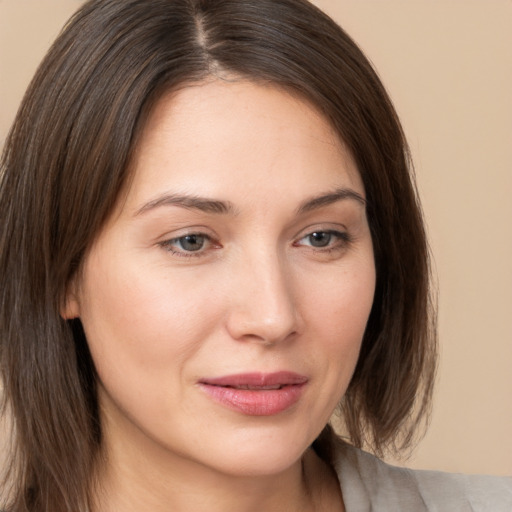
pixel 256 394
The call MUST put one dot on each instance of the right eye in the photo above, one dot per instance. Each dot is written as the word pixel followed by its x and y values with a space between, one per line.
pixel 193 244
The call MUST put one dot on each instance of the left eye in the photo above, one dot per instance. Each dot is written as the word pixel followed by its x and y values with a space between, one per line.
pixel 323 239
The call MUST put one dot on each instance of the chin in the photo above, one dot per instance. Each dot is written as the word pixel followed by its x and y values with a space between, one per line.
pixel 270 463
pixel 256 454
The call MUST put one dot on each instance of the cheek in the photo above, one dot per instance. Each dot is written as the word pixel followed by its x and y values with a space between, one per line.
pixel 139 321
pixel 143 329
pixel 337 316
pixel 341 300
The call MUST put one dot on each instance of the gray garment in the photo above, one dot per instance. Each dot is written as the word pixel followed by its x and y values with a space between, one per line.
pixel 370 485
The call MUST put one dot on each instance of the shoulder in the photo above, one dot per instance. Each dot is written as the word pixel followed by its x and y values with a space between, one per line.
pixel 369 484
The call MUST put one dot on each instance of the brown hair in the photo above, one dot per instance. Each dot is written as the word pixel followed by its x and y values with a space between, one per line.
pixel 67 158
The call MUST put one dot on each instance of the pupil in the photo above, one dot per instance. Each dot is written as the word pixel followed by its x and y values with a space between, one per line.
pixel 192 242
pixel 320 239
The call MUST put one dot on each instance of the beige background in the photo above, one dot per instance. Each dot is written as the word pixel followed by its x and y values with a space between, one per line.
pixel 448 67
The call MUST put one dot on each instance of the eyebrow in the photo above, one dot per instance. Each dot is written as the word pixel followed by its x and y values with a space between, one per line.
pixel 190 202
pixel 216 206
pixel 329 198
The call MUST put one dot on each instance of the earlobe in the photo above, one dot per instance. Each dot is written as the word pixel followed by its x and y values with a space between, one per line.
pixel 70 307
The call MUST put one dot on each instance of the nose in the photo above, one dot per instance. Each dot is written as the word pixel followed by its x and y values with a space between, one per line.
pixel 263 306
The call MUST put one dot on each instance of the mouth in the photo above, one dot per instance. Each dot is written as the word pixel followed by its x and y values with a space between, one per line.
pixel 256 394
pixel 253 388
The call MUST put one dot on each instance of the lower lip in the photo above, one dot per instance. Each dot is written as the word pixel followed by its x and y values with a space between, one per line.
pixel 265 402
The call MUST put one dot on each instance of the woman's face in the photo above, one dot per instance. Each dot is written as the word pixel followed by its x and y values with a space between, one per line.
pixel 225 300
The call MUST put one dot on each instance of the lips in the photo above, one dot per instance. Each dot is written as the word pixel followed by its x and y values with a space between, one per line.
pixel 256 394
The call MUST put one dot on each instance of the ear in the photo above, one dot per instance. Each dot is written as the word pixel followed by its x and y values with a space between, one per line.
pixel 70 306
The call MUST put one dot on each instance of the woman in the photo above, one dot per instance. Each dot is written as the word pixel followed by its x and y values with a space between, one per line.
pixel 211 241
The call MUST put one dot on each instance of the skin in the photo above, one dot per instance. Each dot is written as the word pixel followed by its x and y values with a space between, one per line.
pixel 260 294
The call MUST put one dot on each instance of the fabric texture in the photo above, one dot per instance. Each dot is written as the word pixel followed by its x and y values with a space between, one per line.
pixel 370 485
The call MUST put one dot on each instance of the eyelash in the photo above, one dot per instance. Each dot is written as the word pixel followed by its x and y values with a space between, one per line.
pixel 343 239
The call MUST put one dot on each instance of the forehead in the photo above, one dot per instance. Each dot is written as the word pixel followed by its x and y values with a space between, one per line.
pixel 221 136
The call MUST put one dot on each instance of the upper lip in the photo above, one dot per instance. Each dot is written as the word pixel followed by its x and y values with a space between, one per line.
pixel 257 380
